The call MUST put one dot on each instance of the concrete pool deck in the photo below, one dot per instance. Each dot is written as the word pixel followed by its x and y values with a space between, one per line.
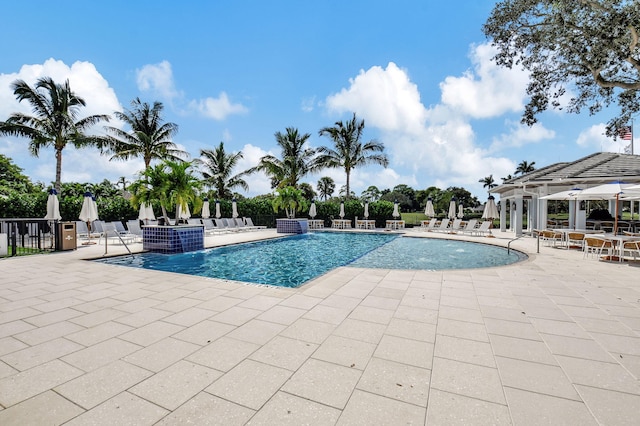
pixel 552 340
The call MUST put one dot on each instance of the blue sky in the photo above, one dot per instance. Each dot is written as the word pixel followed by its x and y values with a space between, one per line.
pixel 418 72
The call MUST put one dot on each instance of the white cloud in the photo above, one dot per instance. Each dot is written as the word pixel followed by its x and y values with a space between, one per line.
pixel 438 143
pixel 308 104
pixel 520 135
pixel 488 90
pixel 217 108
pixel 594 137
pixel 157 78
pixel 258 182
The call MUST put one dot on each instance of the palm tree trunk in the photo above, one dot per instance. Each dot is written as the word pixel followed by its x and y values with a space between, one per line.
pixel 348 184
pixel 58 184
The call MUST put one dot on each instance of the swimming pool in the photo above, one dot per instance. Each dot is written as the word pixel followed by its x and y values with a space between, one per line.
pixel 292 261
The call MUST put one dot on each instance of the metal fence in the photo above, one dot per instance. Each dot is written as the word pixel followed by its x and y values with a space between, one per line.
pixel 27 236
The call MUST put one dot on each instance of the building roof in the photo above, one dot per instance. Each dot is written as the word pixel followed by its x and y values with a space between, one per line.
pixel 593 169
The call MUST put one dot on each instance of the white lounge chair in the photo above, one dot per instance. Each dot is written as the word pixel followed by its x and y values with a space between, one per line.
pixel 110 233
pixel 210 228
pixel 483 229
pixel 134 228
pixel 428 225
pixel 469 227
pixel 250 224
pixel 443 226
pixel 455 226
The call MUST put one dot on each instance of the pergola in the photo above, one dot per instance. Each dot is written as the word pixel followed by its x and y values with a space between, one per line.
pixel 587 172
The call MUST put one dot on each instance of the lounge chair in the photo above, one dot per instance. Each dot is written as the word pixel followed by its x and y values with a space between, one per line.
pixel 455 226
pixel 469 227
pixel 483 229
pixel 110 233
pixel 134 228
pixel 251 225
pixel 443 226
pixel 210 228
pixel 194 221
pixel 428 225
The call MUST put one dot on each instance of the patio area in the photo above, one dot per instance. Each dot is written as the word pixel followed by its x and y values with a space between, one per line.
pixel 551 340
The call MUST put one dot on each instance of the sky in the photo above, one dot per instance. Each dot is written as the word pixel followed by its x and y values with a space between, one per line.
pixel 418 72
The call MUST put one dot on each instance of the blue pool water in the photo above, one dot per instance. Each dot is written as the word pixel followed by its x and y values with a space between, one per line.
pixel 291 261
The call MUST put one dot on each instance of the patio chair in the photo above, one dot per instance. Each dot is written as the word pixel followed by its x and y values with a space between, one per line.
pixel 606 226
pixel 210 228
pixel 241 224
pixel 134 228
pixel 110 233
pixel 631 249
pixel 596 245
pixel 575 240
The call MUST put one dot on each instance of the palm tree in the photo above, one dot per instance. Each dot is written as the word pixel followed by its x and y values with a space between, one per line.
pixel 297 161
pixel 184 186
pixel 218 166
pixel 149 137
pixel 349 151
pixel 290 200
pixel 326 186
pixel 153 185
pixel 488 182
pixel 372 193
pixel 506 178
pixel 524 167
pixel 55 123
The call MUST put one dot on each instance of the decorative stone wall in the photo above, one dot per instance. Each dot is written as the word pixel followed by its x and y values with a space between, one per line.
pixel 292 226
pixel 173 239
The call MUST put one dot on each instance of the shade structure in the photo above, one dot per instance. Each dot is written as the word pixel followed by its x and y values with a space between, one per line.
pixel 570 194
pixel 607 191
pixel 312 210
pixel 218 214
pixel 395 213
pixel 234 208
pixel 490 209
pixel 460 211
pixel 89 210
pixel 631 193
pixel 205 209
pixel 183 213
pixel 53 206
pixel 342 210
pixel 428 210
pixel 452 209
pixel 366 210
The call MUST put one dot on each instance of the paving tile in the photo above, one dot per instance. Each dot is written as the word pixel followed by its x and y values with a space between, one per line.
pixel 470 380
pixel 9 344
pixel 52 317
pixel 282 315
pixel 175 385
pixel 452 409
pixel 524 349
pixel 309 331
pixel 102 384
pixel 577 348
pixel 40 354
pixel 236 315
pixel 49 332
pixel 462 329
pixel 598 374
pixel 123 409
pixel 367 409
pixel 208 410
pixel 256 331
pixel 461 314
pixel 332 384
pixel 26 384
pixel 137 305
pixel 98 317
pixel 301 301
pixel 346 352
pixel 223 354
pixel 151 333
pixel 546 409
pixel 629 345
pixel 220 304
pixel 284 352
pixel 46 408
pixel 464 350
pixel 6 370
pixel 204 332
pixel 398 381
pixel 610 407
pixel 560 328
pixel 250 383
pixel 371 314
pixel 100 354
pixel 188 317
pixel 327 314
pixel 162 354
pixel 143 317
pixel 406 351
pixel 290 410
pixel 99 333
pixel 412 330
pixel 363 331
pixel 535 377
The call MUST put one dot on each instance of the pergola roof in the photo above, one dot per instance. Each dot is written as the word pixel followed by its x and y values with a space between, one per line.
pixel 591 170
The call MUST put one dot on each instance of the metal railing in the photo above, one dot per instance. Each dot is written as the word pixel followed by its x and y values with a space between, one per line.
pixel 20 236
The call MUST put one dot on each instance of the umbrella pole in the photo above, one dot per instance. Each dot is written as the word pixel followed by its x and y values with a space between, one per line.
pixel 615 221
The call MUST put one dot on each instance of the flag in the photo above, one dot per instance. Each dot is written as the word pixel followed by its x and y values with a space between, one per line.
pixel 626 133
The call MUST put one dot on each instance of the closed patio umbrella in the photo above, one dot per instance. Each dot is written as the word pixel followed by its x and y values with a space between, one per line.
pixel 366 210
pixel 460 211
pixel 428 210
pixel 205 209
pixel 146 212
pixel 312 209
pixel 218 214
pixel 490 211
pixel 53 206
pixel 395 213
pixel 452 209
pixel 88 212
pixel 234 208
pixel 342 210
pixel 183 213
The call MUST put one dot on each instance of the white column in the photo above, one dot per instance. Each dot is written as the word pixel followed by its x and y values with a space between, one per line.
pixel 503 214
pixel 518 215
pixel 542 214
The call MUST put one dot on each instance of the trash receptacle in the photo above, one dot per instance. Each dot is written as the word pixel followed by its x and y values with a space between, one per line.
pixel 66 236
